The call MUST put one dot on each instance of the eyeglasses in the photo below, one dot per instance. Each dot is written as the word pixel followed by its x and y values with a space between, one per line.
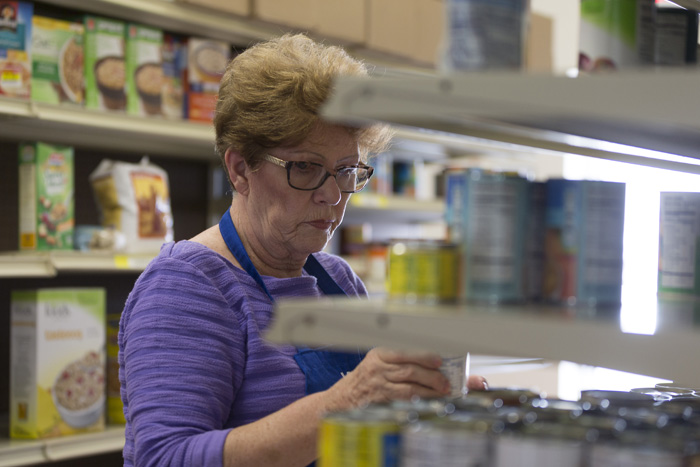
pixel 308 176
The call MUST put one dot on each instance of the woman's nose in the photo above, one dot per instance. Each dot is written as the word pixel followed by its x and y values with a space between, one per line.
pixel 329 192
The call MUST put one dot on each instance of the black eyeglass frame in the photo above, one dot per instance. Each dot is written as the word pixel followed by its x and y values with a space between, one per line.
pixel 289 164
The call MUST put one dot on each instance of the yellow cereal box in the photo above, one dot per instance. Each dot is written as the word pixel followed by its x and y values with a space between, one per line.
pixel 57 369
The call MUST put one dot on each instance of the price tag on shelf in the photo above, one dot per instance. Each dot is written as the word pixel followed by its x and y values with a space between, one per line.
pixel 122 262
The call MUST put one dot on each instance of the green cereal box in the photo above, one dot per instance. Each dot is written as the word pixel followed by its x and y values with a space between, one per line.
pixel 57 61
pixel 105 70
pixel 15 50
pixel 144 70
pixel 57 362
pixel 46 211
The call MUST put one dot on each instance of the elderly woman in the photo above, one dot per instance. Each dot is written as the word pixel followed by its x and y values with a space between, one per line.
pixel 200 385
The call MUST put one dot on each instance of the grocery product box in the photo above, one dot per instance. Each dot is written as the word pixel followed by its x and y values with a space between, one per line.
pixel 15 48
pixel 206 63
pixel 46 203
pixel 57 368
pixel 237 7
pixel 105 69
pixel 174 70
pixel 115 406
pixel 679 245
pixel 57 61
pixel 144 70
pixel 584 227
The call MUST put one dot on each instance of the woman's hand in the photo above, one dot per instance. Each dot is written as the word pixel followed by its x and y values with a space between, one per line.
pixel 386 375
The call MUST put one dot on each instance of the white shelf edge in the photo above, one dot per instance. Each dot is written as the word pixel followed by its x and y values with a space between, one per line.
pixel 14 452
pixel 77 126
pixel 520 111
pixel 50 264
pixel 520 332
pixel 380 202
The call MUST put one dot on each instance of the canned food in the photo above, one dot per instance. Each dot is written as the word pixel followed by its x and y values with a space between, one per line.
pixel 454 441
pixel 421 270
pixel 360 438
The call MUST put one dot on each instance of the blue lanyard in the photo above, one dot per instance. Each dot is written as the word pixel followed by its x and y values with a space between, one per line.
pixel 235 245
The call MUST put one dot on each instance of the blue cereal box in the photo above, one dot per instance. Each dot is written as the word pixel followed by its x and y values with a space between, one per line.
pixel 15 50
pixel 584 226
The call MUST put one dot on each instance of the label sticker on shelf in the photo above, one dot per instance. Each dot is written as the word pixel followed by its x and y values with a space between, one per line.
pixel 122 262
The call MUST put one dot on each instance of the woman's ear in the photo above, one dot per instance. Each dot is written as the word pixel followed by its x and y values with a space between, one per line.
pixel 237 170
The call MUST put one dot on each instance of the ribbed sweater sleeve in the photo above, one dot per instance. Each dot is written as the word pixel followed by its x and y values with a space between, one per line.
pixel 193 359
pixel 179 359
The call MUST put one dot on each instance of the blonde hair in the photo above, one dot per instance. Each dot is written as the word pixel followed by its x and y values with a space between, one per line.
pixel 271 93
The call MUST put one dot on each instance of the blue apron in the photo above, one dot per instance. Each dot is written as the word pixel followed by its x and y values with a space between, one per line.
pixel 322 368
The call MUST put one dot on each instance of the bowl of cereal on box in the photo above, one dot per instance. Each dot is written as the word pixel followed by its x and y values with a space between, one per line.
pixel 110 75
pixel 70 70
pixel 79 391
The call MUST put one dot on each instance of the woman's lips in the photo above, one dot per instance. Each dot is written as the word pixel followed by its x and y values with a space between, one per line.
pixel 321 224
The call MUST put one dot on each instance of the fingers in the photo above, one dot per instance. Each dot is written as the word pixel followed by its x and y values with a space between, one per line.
pixel 422 358
pixel 477 383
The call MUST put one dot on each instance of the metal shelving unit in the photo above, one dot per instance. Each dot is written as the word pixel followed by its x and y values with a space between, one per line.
pixel 587 336
pixel 15 452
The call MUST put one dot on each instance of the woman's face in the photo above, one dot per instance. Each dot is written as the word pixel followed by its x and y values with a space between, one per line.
pixel 293 222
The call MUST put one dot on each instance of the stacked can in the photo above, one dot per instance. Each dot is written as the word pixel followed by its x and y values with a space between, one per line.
pixel 505 427
pixel 486 213
pixel 584 223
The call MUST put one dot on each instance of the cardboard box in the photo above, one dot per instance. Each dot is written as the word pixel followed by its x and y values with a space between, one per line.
pixel 57 369
pixel 15 50
pixel 299 14
pixel 206 63
pixel 538 46
pixel 406 28
pixel 237 7
pixel 105 69
pixel 144 70
pixel 344 20
pixel 46 203
pixel 57 61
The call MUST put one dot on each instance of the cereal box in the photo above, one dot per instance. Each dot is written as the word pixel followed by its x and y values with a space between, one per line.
pixel 679 245
pixel 144 70
pixel 46 184
pixel 57 61
pixel 584 227
pixel 206 62
pixel 57 370
pixel 115 407
pixel 105 70
pixel 15 51
pixel 174 69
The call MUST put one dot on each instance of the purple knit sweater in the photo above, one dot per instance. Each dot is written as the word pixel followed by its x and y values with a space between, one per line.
pixel 192 360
